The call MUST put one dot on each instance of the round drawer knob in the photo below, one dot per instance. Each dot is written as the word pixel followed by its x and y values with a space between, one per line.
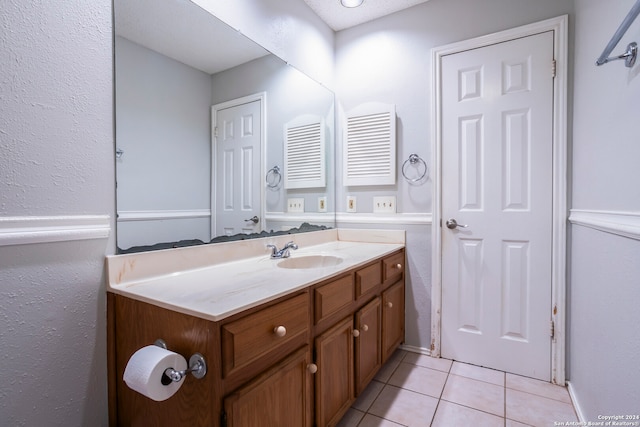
pixel 312 368
pixel 390 304
pixel 399 266
pixel 365 328
pixel 280 331
pixel 356 333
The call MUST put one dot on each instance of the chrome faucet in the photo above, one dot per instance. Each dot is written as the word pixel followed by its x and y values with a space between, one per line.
pixel 282 253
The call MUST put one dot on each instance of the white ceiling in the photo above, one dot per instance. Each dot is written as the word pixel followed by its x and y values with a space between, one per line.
pixel 185 32
pixel 339 17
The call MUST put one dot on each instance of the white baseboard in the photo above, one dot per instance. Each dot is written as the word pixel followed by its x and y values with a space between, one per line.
pixel 47 229
pixel 576 404
pixel 626 224
pixel 413 349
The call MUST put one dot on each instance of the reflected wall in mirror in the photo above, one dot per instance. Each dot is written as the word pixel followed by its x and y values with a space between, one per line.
pixel 179 73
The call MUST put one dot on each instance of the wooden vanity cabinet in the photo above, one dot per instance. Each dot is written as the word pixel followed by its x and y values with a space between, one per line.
pixel 334 379
pixel 365 325
pixel 266 365
pixel 135 324
pixel 392 319
pixel 368 348
pixel 300 360
pixel 279 397
pixel 253 341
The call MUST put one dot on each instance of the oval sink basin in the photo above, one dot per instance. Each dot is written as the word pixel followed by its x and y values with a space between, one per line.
pixel 310 261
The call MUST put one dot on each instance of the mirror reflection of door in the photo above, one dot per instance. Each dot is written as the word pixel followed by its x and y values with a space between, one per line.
pixel 237 192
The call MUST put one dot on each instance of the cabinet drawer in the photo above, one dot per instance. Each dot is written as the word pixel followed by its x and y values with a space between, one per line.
pixel 368 279
pixel 256 335
pixel 330 298
pixel 393 267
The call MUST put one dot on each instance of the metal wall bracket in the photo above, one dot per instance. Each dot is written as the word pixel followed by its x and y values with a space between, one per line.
pixel 631 53
pixel 629 56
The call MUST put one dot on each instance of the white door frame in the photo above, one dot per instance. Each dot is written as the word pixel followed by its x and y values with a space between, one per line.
pixel 262 97
pixel 559 26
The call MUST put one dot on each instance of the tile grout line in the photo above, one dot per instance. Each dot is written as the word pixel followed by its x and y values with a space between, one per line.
pixel 441 393
pixel 384 384
pixel 504 387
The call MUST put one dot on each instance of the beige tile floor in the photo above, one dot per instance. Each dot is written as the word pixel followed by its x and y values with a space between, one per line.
pixel 415 390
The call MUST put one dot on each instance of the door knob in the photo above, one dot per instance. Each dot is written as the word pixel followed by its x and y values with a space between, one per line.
pixel 452 224
pixel 255 219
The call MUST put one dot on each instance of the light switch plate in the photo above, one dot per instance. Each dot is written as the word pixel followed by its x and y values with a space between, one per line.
pixel 322 204
pixel 351 204
pixel 295 205
pixel 384 204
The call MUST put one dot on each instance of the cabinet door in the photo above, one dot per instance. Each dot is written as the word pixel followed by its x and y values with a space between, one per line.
pixel 334 380
pixel 368 346
pixel 280 397
pixel 392 318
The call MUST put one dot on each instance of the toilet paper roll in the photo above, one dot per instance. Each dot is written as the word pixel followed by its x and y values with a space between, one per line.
pixel 145 369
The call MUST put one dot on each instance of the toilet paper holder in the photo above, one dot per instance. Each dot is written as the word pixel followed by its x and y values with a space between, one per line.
pixel 197 367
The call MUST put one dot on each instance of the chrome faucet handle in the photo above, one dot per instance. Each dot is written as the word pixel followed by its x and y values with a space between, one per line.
pixel 274 250
pixel 291 245
pixel 282 253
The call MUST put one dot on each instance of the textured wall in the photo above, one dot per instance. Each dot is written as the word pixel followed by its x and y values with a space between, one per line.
pixel 56 142
pixel 56 107
pixel 604 339
pixel 606 103
pixel 389 60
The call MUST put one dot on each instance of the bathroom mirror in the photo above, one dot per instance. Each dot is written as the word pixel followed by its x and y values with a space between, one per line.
pixel 189 92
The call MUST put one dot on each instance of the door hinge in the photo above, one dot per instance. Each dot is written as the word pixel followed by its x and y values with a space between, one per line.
pixel 215 131
pixel 553 329
pixel 553 68
pixel 223 419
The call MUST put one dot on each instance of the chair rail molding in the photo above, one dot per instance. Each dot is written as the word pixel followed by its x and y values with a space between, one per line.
pixel 21 230
pixel 157 215
pixel 375 218
pixel 621 223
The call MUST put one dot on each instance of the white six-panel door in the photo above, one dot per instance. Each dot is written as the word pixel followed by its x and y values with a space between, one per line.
pixel 497 120
pixel 236 174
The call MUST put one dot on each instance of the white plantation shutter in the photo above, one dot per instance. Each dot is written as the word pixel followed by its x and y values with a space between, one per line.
pixel 304 153
pixel 370 145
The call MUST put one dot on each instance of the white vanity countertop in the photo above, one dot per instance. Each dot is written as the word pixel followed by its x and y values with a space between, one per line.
pixel 217 291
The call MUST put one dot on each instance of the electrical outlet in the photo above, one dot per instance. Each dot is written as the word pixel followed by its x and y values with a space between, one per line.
pixel 351 203
pixel 384 204
pixel 322 204
pixel 295 205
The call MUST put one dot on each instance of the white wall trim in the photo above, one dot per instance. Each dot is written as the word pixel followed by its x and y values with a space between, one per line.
pixel 626 224
pixel 395 219
pixel 22 230
pixel 414 349
pixel 559 26
pixel 126 216
pixel 352 218
pixel 310 217
pixel 576 403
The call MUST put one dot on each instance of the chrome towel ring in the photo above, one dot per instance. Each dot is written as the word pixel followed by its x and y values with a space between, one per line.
pixel 274 177
pixel 414 160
